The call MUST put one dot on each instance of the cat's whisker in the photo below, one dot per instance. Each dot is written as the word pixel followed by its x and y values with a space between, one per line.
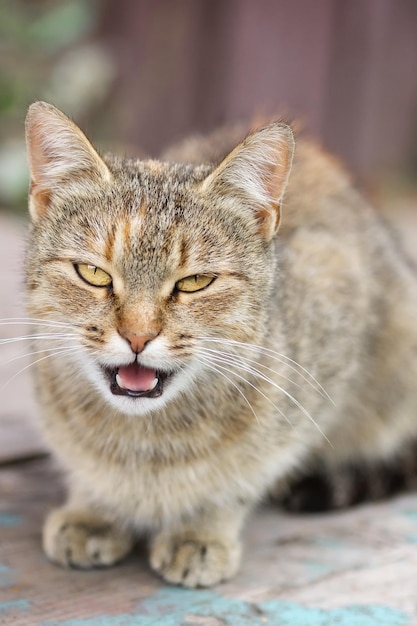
pixel 235 359
pixel 211 360
pixel 52 325
pixel 292 364
pixel 212 367
pixel 261 350
pixel 276 356
pixel 29 354
pixel 78 375
pixel 38 336
pixel 48 356
pixel 294 400
pixel 238 362
pixel 23 321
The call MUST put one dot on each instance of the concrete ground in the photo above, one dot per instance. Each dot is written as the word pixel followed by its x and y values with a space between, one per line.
pixel 354 568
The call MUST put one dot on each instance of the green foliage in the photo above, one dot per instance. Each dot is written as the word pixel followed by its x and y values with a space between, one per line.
pixel 34 36
pixel 64 25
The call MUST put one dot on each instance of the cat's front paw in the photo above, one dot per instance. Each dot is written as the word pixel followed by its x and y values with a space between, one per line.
pixel 80 540
pixel 194 562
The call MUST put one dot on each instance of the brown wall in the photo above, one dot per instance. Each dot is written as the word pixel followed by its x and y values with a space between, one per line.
pixel 346 68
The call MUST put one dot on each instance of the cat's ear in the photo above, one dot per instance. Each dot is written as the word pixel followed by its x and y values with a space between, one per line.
pixel 60 156
pixel 254 175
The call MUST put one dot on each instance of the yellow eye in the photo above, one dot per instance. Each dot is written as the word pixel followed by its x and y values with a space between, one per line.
pixel 93 275
pixel 194 283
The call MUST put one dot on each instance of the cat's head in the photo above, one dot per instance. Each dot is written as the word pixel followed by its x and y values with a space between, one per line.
pixel 146 262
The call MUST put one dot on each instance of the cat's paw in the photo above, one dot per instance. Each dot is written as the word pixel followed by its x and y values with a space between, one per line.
pixel 194 562
pixel 78 540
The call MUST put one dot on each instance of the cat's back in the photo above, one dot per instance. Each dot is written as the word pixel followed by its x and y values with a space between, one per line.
pixel 347 279
pixel 321 195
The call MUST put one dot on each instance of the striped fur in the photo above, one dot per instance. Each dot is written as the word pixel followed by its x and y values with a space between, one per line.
pixel 175 411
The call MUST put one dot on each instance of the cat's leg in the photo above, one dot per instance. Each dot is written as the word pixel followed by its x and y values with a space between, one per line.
pixel 203 552
pixel 325 487
pixel 76 535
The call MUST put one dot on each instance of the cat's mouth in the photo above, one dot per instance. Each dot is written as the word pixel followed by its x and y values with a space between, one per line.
pixel 136 381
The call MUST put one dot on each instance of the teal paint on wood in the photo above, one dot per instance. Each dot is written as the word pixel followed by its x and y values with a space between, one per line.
pixel 5 576
pixel 412 515
pixel 9 520
pixel 177 607
pixel 14 605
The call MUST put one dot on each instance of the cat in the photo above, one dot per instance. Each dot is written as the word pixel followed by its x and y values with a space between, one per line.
pixel 207 326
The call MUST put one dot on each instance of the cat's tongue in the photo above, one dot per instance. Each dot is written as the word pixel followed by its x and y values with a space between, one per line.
pixel 136 377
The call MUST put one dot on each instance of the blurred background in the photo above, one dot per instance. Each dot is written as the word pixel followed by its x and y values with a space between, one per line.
pixel 140 74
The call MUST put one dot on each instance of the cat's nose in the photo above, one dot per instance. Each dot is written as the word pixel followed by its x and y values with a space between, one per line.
pixel 138 342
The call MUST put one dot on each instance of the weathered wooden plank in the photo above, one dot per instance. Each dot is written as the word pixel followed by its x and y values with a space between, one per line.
pixel 356 567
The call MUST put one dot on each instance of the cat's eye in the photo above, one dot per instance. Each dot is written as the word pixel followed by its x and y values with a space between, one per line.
pixel 93 275
pixel 194 283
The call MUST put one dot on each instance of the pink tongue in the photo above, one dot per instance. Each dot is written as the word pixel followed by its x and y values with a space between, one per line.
pixel 136 377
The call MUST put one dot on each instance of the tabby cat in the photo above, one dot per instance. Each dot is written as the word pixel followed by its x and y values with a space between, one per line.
pixel 192 356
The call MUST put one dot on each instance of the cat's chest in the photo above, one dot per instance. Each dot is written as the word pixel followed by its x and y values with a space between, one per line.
pixel 148 495
pixel 152 493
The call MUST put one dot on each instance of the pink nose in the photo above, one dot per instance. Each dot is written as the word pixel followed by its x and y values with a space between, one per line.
pixel 138 342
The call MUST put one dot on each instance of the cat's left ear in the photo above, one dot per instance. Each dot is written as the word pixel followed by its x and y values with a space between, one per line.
pixel 61 159
pixel 254 175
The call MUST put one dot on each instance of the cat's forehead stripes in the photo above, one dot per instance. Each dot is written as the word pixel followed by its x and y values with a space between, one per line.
pixel 183 253
pixel 138 251
pixel 109 243
pixel 142 210
pixel 125 230
pixel 118 235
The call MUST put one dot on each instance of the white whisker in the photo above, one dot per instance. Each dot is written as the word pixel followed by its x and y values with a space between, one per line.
pixel 237 359
pixel 16 321
pixel 212 360
pixel 37 336
pixel 212 367
pixel 48 356
pixel 258 374
pixel 277 356
pixel 28 354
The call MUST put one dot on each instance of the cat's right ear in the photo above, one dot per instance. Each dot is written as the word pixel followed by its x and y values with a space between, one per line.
pixel 59 155
pixel 253 177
